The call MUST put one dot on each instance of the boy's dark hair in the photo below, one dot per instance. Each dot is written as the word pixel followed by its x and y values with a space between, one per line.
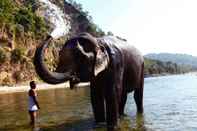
pixel 32 83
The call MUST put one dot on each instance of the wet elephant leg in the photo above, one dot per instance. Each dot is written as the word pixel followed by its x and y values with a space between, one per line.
pixel 122 103
pixel 97 100
pixel 111 109
pixel 123 97
pixel 138 95
pixel 112 102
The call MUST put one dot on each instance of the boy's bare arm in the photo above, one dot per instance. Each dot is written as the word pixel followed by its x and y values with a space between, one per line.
pixel 36 102
pixel 35 99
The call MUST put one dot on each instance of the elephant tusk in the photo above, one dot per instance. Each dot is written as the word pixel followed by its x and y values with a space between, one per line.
pixel 80 48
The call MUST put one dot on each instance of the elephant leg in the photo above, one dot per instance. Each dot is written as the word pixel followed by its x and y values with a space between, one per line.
pixel 123 98
pixel 138 94
pixel 111 110
pixel 97 100
pixel 122 103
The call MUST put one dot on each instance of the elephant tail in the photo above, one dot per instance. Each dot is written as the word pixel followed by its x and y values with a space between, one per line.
pixel 141 84
pixel 142 77
pixel 142 81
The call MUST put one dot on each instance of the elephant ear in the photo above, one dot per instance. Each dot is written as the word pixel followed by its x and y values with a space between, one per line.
pixel 102 60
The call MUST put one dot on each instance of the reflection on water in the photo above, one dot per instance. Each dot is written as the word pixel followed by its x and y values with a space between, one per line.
pixel 170 104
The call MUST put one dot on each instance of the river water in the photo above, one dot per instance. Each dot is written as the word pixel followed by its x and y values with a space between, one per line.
pixel 170 104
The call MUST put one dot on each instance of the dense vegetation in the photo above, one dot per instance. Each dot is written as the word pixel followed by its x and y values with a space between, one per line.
pixel 162 68
pixel 16 19
pixel 20 29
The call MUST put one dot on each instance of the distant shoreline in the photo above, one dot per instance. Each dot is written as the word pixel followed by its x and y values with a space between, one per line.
pixel 168 74
pixel 42 86
pixel 162 74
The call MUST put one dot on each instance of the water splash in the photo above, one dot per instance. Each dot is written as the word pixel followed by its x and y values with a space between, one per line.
pixel 56 16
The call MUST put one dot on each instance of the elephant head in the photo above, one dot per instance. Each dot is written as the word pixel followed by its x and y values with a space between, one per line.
pixel 81 59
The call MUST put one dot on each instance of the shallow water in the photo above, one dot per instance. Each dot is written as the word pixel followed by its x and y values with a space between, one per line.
pixel 170 104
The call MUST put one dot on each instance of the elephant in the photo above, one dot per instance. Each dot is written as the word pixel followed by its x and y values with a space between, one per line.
pixel 113 67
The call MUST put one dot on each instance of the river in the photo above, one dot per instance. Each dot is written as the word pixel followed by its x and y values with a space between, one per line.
pixel 170 104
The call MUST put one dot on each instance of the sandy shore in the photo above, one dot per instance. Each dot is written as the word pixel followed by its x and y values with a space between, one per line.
pixel 25 88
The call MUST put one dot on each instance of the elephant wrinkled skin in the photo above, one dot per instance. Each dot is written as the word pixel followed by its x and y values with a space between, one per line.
pixel 113 67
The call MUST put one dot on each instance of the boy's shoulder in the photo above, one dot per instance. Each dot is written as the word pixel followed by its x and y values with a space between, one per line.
pixel 31 92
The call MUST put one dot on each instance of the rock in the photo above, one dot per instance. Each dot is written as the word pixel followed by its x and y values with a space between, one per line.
pixel 3 75
pixel 6 78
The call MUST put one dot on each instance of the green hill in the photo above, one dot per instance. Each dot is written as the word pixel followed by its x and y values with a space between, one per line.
pixel 162 68
pixel 180 59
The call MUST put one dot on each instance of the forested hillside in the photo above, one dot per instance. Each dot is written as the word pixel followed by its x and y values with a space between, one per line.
pixel 157 67
pixel 180 59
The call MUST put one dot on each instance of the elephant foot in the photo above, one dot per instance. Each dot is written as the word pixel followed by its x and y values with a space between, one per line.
pixel 113 128
pixel 122 115
pixel 140 111
pixel 100 124
pixel 110 128
pixel 100 118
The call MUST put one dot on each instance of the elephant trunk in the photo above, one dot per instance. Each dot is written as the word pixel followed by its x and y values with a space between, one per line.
pixel 43 71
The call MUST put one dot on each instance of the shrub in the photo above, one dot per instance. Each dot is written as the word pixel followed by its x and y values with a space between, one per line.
pixel 6 10
pixel 17 55
pixel 40 26
pixel 19 30
pixel 31 22
pixel 18 76
pixel 25 17
pixel 7 82
pixel 3 56
pixel 95 30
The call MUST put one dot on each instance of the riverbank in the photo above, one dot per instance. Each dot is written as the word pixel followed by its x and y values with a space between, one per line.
pixel 161 74
pixel 25 88
pixel 168 74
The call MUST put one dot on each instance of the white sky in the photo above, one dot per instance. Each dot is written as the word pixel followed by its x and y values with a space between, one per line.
pixel 150 25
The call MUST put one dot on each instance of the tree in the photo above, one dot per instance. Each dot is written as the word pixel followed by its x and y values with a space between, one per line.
pixel 110 33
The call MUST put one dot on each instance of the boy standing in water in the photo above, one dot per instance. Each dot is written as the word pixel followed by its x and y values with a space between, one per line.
pixel 33 105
